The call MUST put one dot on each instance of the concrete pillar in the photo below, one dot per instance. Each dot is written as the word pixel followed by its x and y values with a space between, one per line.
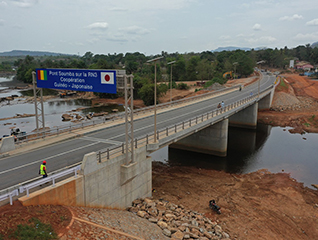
pixel 246 118
pixel 7 144
pixel 266 102
pixel 211 140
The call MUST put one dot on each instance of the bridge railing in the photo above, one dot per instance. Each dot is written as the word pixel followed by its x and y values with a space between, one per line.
pixel 112 117
pixel 10 193
pixel 49 179
pixel 164 132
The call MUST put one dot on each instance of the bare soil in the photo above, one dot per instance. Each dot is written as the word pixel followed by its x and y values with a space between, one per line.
pixel 295 105
pixel 11 216
pixel 259 205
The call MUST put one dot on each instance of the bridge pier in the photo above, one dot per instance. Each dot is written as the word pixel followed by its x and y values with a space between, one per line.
pixel 266 102
pixel 211 140
pixel 247 118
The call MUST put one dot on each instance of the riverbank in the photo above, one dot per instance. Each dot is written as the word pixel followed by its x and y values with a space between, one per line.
pixel 259 205
pixel 295 104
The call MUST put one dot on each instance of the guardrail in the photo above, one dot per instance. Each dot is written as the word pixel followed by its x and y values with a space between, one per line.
pixel 164 132
pixel 63 129
pixel 9 195
pixel 26 188
pixel 49 179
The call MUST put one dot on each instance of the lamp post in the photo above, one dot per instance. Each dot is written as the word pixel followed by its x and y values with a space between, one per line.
pixel 155 108
pixel 235 63
pixel 170 63
pixel 259 80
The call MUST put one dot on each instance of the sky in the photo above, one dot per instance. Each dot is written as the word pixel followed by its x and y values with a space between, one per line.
pixel 153 26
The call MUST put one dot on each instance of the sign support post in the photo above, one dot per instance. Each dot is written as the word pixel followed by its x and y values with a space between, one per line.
pixel 129 119
pixel 36 104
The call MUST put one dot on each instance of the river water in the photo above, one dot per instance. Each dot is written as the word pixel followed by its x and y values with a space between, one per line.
pixel 53 109
pixel 272 148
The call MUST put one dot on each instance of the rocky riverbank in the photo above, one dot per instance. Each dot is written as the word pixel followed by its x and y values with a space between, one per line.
pixel 176 221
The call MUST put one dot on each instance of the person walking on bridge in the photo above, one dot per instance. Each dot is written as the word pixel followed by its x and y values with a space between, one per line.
pixel 43 169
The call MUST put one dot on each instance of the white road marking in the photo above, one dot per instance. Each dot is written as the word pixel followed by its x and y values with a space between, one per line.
pixel 38 161
pixel 101 140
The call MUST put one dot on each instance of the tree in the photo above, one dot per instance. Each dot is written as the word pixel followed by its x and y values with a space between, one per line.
pixel 191 72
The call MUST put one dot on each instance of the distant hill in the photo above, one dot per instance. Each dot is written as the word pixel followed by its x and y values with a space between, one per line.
pixel 231 48
pixel 315 44
pixel 16 53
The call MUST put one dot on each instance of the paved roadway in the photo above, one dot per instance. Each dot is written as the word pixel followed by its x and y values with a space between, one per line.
pixel 24 166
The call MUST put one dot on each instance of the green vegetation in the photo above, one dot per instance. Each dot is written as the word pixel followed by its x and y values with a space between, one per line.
pixel 182 86
pixel 282 86
pixel 206 66
pixel 36 230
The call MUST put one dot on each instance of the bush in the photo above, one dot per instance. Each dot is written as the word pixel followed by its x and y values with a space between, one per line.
pixel 35 231
pixel 163 88
pixel 182 86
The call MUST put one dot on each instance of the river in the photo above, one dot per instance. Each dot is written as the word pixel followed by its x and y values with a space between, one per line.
pixel 272 148
pixel 53 109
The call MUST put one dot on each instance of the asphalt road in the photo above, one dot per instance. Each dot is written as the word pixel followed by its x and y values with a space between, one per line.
pixel 20 168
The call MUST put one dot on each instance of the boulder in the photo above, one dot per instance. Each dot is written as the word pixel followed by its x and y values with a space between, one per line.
pixel 67 117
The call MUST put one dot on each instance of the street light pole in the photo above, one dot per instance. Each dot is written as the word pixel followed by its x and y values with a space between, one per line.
pixel 170 63
pixel 155 97
pixel 259 80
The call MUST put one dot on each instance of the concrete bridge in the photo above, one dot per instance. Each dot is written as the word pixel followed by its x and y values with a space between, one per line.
pixel 107 179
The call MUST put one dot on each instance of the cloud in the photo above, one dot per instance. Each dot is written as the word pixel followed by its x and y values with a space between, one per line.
pixel 3 4
pixel 288 18
pixel 93 40
pixel 98 26
pixel 313 22
pixel 117 9
pixel 117 38
pixel 156 5
pixel 135 30
pixel 25 3
pixel 307 37
pixel 1 22
pixel 241 35
pixel 265 40
pixel 224 37
pixel 257 27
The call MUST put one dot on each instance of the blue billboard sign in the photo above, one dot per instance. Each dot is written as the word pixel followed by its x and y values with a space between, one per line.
pixel 77 80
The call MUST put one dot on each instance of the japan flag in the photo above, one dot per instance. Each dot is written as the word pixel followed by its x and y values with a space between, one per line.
pixel 107 77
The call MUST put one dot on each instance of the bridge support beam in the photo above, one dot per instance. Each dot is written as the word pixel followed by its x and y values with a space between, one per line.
pixel 246 118
pixel 266 102
pixel 211 140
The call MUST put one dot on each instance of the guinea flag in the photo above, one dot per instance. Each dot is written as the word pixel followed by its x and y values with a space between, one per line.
pixel 42 75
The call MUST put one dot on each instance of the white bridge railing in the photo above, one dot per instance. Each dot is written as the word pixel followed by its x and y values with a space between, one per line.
pixel 63 129
pixel 9 195
pixel 26 188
